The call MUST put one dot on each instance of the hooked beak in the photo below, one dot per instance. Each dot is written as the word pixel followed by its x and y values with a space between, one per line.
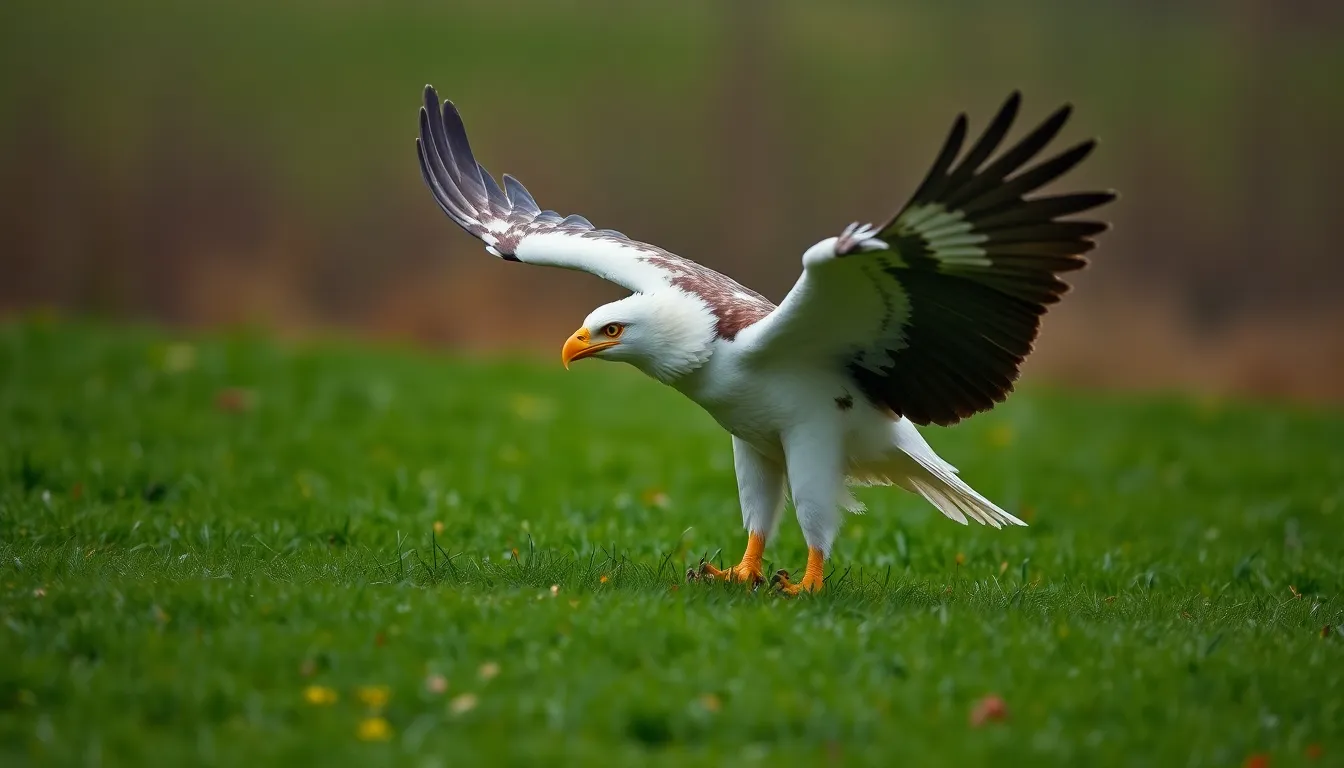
pixel 581 345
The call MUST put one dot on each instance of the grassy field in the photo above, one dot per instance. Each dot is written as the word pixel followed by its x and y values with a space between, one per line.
pixel 226 549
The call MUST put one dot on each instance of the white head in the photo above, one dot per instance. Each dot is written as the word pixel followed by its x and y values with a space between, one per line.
pixel 666 335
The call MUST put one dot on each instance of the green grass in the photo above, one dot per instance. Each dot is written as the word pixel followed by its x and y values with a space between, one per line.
pixel 181 560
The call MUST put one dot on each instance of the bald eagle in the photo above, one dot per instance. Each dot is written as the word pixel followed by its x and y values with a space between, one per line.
pixel 923 319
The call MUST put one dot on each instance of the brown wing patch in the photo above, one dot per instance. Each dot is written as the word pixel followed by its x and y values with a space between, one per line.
pixel 735 306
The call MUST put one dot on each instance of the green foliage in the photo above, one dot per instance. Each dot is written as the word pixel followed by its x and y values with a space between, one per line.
pixel 193 533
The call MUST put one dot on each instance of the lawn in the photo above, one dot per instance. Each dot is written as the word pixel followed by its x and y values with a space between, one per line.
pixel 220 549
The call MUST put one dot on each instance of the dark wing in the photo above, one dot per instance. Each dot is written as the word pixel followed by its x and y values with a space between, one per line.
pixel 933 312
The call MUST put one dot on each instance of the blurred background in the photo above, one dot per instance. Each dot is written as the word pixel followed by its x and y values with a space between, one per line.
pixel 216 163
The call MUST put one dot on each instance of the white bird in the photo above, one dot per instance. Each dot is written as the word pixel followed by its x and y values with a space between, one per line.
pixel 925 319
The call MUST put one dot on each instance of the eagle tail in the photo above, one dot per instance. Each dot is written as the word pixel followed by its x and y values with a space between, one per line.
pixel 937 481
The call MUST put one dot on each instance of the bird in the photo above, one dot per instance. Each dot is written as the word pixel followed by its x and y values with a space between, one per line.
pixel 924 319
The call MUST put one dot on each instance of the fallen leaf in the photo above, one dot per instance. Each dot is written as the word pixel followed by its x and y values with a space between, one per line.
pixel 989 709
pixel 234 400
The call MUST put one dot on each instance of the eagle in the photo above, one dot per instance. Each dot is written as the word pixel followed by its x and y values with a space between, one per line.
pixel 923 319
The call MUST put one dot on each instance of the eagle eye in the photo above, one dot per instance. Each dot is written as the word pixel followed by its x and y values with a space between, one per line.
pixel 612 330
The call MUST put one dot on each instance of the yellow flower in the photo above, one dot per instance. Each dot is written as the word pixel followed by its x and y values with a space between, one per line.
pixel 374 729
pixel 374 696
pixel 319 695
pixel 438 527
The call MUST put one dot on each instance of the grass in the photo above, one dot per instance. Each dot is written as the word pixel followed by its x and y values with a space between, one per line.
pixel 228 549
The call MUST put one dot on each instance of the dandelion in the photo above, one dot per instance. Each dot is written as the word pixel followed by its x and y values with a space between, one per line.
pixel 374 729
pixel 603 580
pixel 374 696
pixel 319 695
pixel 462 704
pixel 961 558
pixel 438 527
pixel 488 670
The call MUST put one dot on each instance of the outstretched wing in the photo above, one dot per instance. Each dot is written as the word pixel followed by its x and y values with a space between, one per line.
pixel 513 227
pixel 933 312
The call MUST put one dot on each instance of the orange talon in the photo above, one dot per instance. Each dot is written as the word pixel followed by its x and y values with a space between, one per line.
pixel 812 578
pixel 749 570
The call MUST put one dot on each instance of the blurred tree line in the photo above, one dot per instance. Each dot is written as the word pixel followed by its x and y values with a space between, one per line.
pixel 217 162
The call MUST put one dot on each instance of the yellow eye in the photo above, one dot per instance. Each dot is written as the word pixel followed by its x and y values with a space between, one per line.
pixel 612 330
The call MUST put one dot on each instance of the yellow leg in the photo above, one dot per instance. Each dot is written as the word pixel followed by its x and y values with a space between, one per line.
pixel 749 570
pixel 812 579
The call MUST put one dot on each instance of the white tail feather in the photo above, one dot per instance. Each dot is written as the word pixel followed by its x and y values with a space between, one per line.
pixel 916 468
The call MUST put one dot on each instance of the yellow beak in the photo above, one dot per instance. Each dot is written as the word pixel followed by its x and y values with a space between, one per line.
pixel 581 345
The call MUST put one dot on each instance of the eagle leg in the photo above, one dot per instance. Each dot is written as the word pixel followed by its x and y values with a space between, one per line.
pixel 749 570
pixel 813 578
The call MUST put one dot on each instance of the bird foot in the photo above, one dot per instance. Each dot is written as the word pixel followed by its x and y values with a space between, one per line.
pixel 749 570
pixel 812 580
pixel 745 571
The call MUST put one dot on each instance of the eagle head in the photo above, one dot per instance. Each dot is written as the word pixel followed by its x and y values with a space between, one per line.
pixel 666 335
